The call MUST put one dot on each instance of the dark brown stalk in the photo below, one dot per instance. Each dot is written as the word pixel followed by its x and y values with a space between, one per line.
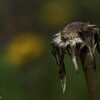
pixel 88 76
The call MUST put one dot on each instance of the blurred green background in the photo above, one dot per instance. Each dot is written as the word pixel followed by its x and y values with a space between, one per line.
pixel 28 70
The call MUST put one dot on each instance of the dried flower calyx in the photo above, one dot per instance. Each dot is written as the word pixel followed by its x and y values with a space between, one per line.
pixel 72 39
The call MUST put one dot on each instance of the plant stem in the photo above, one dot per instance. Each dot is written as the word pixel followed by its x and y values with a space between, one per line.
pixel 88 76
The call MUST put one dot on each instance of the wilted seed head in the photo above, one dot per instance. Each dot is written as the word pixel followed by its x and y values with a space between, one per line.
pixel 73 38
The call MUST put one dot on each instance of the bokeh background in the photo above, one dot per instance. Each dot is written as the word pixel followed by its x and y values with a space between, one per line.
pixel 28 70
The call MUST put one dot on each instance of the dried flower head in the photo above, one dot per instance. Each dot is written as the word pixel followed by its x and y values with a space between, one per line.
pixel 73 38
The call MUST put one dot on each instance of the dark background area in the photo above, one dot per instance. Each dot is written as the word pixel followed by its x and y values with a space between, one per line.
pixel 28 70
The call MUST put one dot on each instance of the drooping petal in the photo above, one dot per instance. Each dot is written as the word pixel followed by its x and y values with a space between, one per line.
pixel 60 61
pixel 74 59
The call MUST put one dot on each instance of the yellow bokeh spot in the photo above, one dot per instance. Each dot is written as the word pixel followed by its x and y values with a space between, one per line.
pixel 24 48
pixel 55 13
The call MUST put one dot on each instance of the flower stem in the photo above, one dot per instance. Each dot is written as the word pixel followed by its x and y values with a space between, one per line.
pixel 88 76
